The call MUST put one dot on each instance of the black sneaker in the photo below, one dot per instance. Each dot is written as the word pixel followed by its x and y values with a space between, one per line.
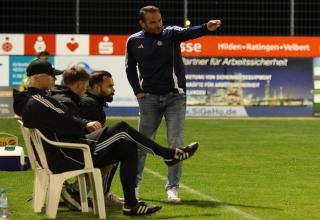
pixel 72 198
pixel 141 209
pixel 183 154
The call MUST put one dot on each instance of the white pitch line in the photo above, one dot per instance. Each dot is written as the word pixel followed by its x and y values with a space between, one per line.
pixel 204 196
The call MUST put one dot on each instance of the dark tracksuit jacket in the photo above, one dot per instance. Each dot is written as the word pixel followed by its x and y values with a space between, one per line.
pixel 39 110
pixel 158 58
pixel 92 108
pixel 70 101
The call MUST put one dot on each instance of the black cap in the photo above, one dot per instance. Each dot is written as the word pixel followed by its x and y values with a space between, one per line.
pixel 39 66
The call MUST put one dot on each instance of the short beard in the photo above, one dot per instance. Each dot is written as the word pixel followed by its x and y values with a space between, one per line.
pixel 109 98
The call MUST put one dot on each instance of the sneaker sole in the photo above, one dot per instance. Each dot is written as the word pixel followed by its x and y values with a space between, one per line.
pixel 171 162
pixel 128 213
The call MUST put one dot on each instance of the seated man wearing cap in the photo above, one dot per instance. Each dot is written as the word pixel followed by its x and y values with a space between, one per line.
pixel 41 111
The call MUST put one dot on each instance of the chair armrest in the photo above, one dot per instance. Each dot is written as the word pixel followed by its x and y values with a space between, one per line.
pixel 84 147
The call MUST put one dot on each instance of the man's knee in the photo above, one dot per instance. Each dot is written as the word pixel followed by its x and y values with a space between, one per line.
pixel 128 147
pixel 122 125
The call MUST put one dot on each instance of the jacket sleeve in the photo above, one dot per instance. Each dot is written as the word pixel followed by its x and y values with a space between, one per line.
pixel 70 108
pixel 90 111
pixel 184 34
pixel 131 68
pixel 47 115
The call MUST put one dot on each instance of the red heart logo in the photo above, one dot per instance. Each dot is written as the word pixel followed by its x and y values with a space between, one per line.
pixel 72 46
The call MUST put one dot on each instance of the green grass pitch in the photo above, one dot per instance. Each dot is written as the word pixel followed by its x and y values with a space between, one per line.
pixel 244 169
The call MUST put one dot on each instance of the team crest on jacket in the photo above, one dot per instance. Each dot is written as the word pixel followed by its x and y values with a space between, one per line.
pixel 159 43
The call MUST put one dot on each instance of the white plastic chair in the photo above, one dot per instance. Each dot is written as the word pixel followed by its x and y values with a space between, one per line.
pixel 41 177
pixel 54 182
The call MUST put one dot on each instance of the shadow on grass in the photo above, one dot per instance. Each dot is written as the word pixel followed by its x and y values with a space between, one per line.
pixel 213 204
pixel 185 216
pixel 117 215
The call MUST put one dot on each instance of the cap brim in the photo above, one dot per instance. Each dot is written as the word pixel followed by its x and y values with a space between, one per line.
pixel 57 72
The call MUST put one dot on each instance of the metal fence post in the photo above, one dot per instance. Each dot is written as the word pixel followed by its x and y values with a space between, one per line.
pixel 77 16
pixel 185 12
pixel 291 17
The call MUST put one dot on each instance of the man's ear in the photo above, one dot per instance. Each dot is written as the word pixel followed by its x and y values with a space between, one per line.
pixel 77 85
pixel 142 24
pixel 96 88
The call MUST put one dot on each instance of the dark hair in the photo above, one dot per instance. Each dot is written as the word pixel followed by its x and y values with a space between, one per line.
pixel 147 9
pixel 75 74
pixel 43 53
pixel 96 77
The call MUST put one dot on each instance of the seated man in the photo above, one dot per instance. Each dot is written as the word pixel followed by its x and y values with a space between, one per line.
pixel 108 145
pixel 100 91
pixel 67 96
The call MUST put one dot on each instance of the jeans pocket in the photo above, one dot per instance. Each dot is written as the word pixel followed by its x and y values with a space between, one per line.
pixel 143 98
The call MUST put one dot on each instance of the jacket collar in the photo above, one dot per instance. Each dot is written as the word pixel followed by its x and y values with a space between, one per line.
pixel 33 91
pixel 101 100
pixel 147 34
pixel 62 89
pixel 73 96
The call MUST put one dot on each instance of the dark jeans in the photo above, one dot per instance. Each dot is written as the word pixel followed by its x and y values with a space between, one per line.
pixel 153 108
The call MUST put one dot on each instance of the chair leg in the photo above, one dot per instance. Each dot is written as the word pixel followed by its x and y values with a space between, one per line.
pixel 94 193
pixel 54 192
pixel 83 193
pixel 40 189
pixel 97 179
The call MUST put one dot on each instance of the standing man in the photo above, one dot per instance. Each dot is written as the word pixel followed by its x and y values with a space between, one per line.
pixel 160 86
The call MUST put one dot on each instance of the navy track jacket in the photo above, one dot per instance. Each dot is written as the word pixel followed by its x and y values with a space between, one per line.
pixel 158 58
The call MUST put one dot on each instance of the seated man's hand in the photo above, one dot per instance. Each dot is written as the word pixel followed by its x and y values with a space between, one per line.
pixel 93 126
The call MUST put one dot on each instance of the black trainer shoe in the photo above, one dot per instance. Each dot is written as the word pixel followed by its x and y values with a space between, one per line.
pixel 141 209
pixel 71 198
pixel 183 154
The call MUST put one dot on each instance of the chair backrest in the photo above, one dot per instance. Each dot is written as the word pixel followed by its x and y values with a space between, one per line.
pixel 27 141
pixel 36 138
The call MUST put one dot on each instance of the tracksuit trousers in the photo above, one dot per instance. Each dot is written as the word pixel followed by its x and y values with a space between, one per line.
pixel 120 143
